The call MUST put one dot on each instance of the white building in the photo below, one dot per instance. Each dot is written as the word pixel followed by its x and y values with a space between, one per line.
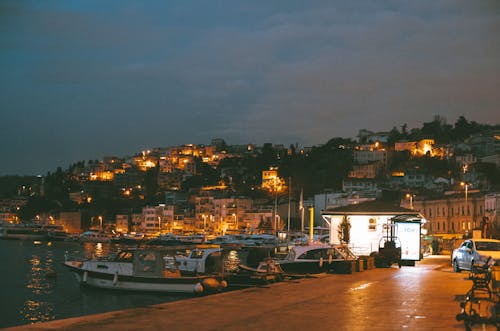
pixel 369 224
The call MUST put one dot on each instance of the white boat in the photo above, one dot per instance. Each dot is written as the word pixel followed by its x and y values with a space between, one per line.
pixel 314 258
pixel 201 261
pixel 56 232
pixel 141 269
pixel 192 239
pixel 95 236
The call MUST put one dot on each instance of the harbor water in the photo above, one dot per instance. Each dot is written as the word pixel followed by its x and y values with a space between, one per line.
pixel 36 287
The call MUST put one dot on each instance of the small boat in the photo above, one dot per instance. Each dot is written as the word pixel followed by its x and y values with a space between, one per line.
pixel 129 238
pixel 192 239
pixel 56 233
pixel 201 261
pixel 167 239
pixel 314 258
pixel 141 269
pixel 267 271
pixel 95 236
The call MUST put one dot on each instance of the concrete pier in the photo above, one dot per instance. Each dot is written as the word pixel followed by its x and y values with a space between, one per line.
pixel 424 297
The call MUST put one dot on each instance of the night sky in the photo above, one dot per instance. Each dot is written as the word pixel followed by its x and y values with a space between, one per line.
pixel 81 80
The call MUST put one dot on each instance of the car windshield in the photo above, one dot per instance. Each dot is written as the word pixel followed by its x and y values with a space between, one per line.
pixel 487 246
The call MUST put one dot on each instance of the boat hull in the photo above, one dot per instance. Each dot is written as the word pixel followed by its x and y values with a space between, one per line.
pixel 188 285
pixel 309 267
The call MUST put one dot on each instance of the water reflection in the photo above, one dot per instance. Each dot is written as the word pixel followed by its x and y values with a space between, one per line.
pixel 38 311
pixel 36 308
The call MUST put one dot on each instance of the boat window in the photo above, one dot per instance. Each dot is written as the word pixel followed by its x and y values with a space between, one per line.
pixel 197 254
pixel 124 257
pixel 147 261
pixel 313 254
pixel 170 263
pixel 102 266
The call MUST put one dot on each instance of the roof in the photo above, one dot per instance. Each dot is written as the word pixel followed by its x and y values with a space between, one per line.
pixel 370 207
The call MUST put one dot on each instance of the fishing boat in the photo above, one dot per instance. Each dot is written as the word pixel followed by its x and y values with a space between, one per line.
pixel 141 269
pixel 314 258
pixel 209 260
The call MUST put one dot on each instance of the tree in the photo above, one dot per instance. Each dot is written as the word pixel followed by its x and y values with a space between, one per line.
pixel 344 230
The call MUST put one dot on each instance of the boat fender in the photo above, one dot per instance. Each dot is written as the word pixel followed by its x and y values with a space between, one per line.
pixel 223 284
pixel 85 276
pixel 198 288
pixel 320 262
pixel 210 283
pixel 115 279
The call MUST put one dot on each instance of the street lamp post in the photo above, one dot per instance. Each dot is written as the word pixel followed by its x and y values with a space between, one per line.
pixel 410 197
pixel 466 187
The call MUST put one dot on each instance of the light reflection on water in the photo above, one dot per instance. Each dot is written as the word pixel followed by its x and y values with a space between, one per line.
pixel 36 308
pixel 41 289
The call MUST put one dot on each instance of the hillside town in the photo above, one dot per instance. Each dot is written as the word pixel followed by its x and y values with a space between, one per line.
pixel 448 173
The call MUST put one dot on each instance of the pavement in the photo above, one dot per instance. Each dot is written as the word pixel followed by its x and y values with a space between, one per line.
pixel 424 297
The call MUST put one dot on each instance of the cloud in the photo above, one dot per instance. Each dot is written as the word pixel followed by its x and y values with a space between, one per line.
pixel 123 75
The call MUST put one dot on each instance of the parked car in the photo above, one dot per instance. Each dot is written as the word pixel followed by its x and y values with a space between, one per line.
pixel 474 251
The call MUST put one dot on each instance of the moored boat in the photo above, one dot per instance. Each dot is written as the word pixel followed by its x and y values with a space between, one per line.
pixel 95 236
pixel 313 258
pixel 167 239
pixel 129 238
pixel 141 269
pixel 23 231
pixel 56 233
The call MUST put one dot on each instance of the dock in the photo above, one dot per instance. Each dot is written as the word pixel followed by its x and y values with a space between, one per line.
pixel 424 297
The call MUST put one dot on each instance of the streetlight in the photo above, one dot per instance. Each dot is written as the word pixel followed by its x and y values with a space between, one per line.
pixel 235 221
pixel 466 186
pixel 204 222
pixel 410 196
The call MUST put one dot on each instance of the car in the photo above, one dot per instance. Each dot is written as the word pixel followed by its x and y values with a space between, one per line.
pixel 473 251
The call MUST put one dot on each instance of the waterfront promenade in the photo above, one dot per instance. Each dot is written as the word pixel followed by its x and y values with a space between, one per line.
pixel 423 297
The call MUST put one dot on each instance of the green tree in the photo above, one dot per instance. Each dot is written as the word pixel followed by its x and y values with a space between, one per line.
pixel 344 230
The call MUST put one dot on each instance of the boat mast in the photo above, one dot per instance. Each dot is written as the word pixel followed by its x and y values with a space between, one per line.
pixel 289 197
